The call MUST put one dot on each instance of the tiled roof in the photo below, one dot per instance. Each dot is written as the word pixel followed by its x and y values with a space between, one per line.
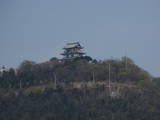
pixel 72 45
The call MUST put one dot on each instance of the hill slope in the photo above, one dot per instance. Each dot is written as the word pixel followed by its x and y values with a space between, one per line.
pixel 30 93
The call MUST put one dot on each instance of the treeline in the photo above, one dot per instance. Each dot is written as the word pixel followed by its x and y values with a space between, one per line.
pixel 81 69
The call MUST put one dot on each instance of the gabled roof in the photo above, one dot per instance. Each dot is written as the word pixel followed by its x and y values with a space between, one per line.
pixel 72 45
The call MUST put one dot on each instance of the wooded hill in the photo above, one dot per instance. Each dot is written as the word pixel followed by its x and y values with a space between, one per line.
pixel 29 92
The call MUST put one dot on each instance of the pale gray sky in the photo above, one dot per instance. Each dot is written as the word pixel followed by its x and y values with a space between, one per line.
pixel 38 29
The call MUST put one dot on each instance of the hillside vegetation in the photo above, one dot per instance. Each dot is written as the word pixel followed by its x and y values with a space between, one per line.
pixel 78 70
pixel 30 92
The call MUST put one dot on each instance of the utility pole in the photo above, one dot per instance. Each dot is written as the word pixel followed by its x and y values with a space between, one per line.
pixel 94 84
pixel 109 79
pixel 55 81
pixel 93 77
pixel 126 61
pixel 20 84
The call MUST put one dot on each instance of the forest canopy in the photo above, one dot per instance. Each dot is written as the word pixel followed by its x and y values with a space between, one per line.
pixel 77 70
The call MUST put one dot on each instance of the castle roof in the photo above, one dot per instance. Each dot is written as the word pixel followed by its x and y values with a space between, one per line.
pixel 72 45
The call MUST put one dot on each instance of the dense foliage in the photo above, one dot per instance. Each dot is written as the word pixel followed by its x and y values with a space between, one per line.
pixel 80 69
pixel 80 104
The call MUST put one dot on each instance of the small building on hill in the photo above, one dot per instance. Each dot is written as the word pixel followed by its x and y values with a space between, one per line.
pixel 72 50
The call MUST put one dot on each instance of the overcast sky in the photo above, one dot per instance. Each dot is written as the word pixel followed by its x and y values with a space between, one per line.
pixel 38 29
